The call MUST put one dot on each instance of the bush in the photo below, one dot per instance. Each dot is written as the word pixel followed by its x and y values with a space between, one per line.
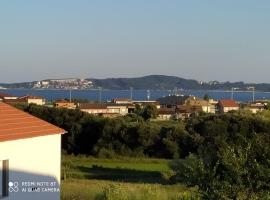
pixel 113 192
pixel 168 176
pixel 150 193
pixel 187 196
pixel 106 153
pixel 190 170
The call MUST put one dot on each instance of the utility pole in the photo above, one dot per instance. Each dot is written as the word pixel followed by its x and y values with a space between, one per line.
pixel 69 95
pixel 100 94
pixel 232 94
pixel 253 93
pixel 148 94
pixel 131 93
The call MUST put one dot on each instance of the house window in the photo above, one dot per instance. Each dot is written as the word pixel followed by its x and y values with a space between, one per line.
pixel 4 178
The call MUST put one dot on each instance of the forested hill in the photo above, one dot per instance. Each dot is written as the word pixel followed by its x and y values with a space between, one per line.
pixel 152 82
pixel 162 82
pixel 155 82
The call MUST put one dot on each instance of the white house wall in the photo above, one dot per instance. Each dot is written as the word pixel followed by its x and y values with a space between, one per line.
pixel 35 160
pixel 36 101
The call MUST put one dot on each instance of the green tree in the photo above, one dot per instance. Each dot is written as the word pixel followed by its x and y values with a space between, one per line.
pixel 149 111
pixel 206 97
pixel 232 160
pixel 267 105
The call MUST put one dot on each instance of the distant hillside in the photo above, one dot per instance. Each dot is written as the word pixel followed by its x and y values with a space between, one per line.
pixel 25 85
pixel 162 82
pixel 154 82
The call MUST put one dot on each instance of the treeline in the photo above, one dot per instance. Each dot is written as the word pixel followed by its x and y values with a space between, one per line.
pixel 227 156
pixel 132 135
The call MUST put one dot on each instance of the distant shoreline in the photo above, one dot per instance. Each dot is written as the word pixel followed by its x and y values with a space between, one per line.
pixel 158 90
pixel 151 82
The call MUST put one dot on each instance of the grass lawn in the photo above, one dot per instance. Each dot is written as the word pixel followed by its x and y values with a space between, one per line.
pixel 87 178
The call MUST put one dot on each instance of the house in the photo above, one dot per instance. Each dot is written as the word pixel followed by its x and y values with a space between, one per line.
pixel 171 101
pixel 93 108
pixel 262 102
pixel 28 99
pixel 108 109
pixel 186 111
pixel 213 101
pixel 64 104
pixel 14 101
pixel 206 106
pixel 33 99
pixel 30 156
pixel 4 96
pixel 165 113
pixel 226 105
pixel 120 109
pixel 121 101
pixel 146 102
pixel 254 107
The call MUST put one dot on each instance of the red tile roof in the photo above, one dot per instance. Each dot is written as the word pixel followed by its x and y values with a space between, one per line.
pixel 228 103
pixel 3 95
pixel 166 111
pixel 128 105
pixel 188 109
pixel 14 101
pixel 30 97
pixel 63 101
pixel 121 99
pixel 16 124
pixel 94 106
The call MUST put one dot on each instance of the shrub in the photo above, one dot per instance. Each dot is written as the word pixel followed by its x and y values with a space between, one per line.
pixel 113 192
pixel 187 196
pixel 106 153
pixel 150 193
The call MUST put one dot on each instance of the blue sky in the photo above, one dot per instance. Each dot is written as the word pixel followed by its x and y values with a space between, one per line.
pixel 203 40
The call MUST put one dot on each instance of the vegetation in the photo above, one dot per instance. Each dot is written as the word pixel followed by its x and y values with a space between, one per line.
pixel 126 136
pixel 206 97
pixel 268 105
pixel 226 155
pixel 232 159
pixel 88 178
pixel 142 170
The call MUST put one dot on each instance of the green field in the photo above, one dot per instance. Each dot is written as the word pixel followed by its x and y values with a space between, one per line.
pixel 87 178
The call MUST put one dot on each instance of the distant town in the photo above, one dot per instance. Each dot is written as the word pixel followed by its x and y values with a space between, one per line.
pixel 73 84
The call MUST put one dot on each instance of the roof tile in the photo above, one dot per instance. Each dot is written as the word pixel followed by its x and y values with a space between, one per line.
pixel 228 103
pixel 16 124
